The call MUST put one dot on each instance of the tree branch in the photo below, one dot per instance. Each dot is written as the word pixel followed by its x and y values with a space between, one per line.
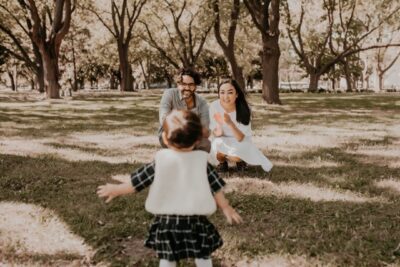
pixel 154 44
pixel 15 18
pixel 115 34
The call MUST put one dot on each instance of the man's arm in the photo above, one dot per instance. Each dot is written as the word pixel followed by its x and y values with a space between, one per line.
pixel 204 115
pixel 165 105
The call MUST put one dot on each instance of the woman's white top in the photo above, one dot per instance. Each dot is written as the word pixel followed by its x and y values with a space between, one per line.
pixel 180 185
pixel 227 143
pixel 216 107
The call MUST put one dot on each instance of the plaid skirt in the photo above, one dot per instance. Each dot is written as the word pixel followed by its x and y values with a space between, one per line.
pixel 177 237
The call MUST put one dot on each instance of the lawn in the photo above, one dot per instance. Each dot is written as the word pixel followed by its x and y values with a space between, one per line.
pixel 332 198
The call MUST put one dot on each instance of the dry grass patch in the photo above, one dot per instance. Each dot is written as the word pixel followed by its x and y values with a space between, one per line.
pixel 306 137
pixel 313 164
pixel 309 191
pixel 376 151
pixel 29 229
pixel 281 260
pixel 389 184
pixel 112 148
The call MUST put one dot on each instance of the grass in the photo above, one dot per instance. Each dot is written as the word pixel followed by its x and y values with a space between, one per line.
pixel 348 234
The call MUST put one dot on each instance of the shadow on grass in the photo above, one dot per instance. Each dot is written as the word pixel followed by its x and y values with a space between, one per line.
pixel 352 234
pixel 355 175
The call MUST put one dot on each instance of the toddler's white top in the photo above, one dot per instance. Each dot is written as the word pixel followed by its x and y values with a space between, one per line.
pixel 180 185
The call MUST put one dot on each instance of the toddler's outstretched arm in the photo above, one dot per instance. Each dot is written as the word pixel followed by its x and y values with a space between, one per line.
pixel 111 191
pixel 229 212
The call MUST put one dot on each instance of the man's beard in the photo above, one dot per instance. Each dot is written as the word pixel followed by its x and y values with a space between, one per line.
pixel 187 94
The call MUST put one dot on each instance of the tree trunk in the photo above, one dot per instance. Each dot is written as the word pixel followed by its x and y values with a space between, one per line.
pixel 380 80
pixel 51 73
pixel 113 81
pixel 333 81
pixel 250 83
pixel 146 77
pixel 270 68
pixel 11 76
pixel 39 70
pixel 314 79
pixel 347 76
pixel 40 78
pixel 81 83
pixel 125 68
pixel 75 81
pixel 354 83
pixel 366 81
pixel 32 84
pixel 237 71
pixel 169 79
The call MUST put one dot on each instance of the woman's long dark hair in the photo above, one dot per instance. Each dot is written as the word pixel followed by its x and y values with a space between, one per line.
pixel 243 112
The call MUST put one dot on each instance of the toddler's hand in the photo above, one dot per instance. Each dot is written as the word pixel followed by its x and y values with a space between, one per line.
pixel 231 215
pixel 108 190
pixel 121 178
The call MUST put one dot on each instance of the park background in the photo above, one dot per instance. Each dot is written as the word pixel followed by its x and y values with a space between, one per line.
pixel 80 85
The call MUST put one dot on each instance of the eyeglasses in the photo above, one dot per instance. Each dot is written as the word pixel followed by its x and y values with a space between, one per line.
pixel 190 85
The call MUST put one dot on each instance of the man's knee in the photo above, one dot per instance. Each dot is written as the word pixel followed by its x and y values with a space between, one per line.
pixel 160 139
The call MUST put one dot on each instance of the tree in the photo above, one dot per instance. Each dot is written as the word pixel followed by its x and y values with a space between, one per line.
pixel 75 52
pixel 48 37
pixel 386 57
pixel 341 35
pixel 181 32
pixel 212 66
pixel 381 67
pixel 17 26
pixel 123 20
pixel 265 15
pixel 228 47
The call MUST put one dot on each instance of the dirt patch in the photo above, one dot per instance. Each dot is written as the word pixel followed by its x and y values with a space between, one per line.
pixel 137 251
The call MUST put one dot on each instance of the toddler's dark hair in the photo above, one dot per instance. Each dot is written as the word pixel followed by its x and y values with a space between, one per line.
pixel 182 128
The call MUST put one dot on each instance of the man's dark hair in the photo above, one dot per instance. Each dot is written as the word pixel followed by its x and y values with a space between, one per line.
pixel 182 128
pixel 189 72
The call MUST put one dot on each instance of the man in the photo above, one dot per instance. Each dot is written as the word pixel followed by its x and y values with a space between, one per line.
pixel 185 97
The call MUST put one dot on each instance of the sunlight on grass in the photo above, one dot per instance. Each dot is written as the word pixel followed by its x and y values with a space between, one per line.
pixel 244 185
pixel 330 200
pixel 30 229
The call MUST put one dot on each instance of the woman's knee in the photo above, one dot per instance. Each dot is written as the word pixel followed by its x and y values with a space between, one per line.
pixel 221 157
pixel 234 158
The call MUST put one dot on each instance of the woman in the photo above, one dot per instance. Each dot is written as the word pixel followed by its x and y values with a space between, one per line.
pixel 230 117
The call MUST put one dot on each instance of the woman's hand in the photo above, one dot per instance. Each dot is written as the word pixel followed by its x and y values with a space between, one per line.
pixel 227 119
pixel 218 118
pixel 223 119
pixel 218 130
